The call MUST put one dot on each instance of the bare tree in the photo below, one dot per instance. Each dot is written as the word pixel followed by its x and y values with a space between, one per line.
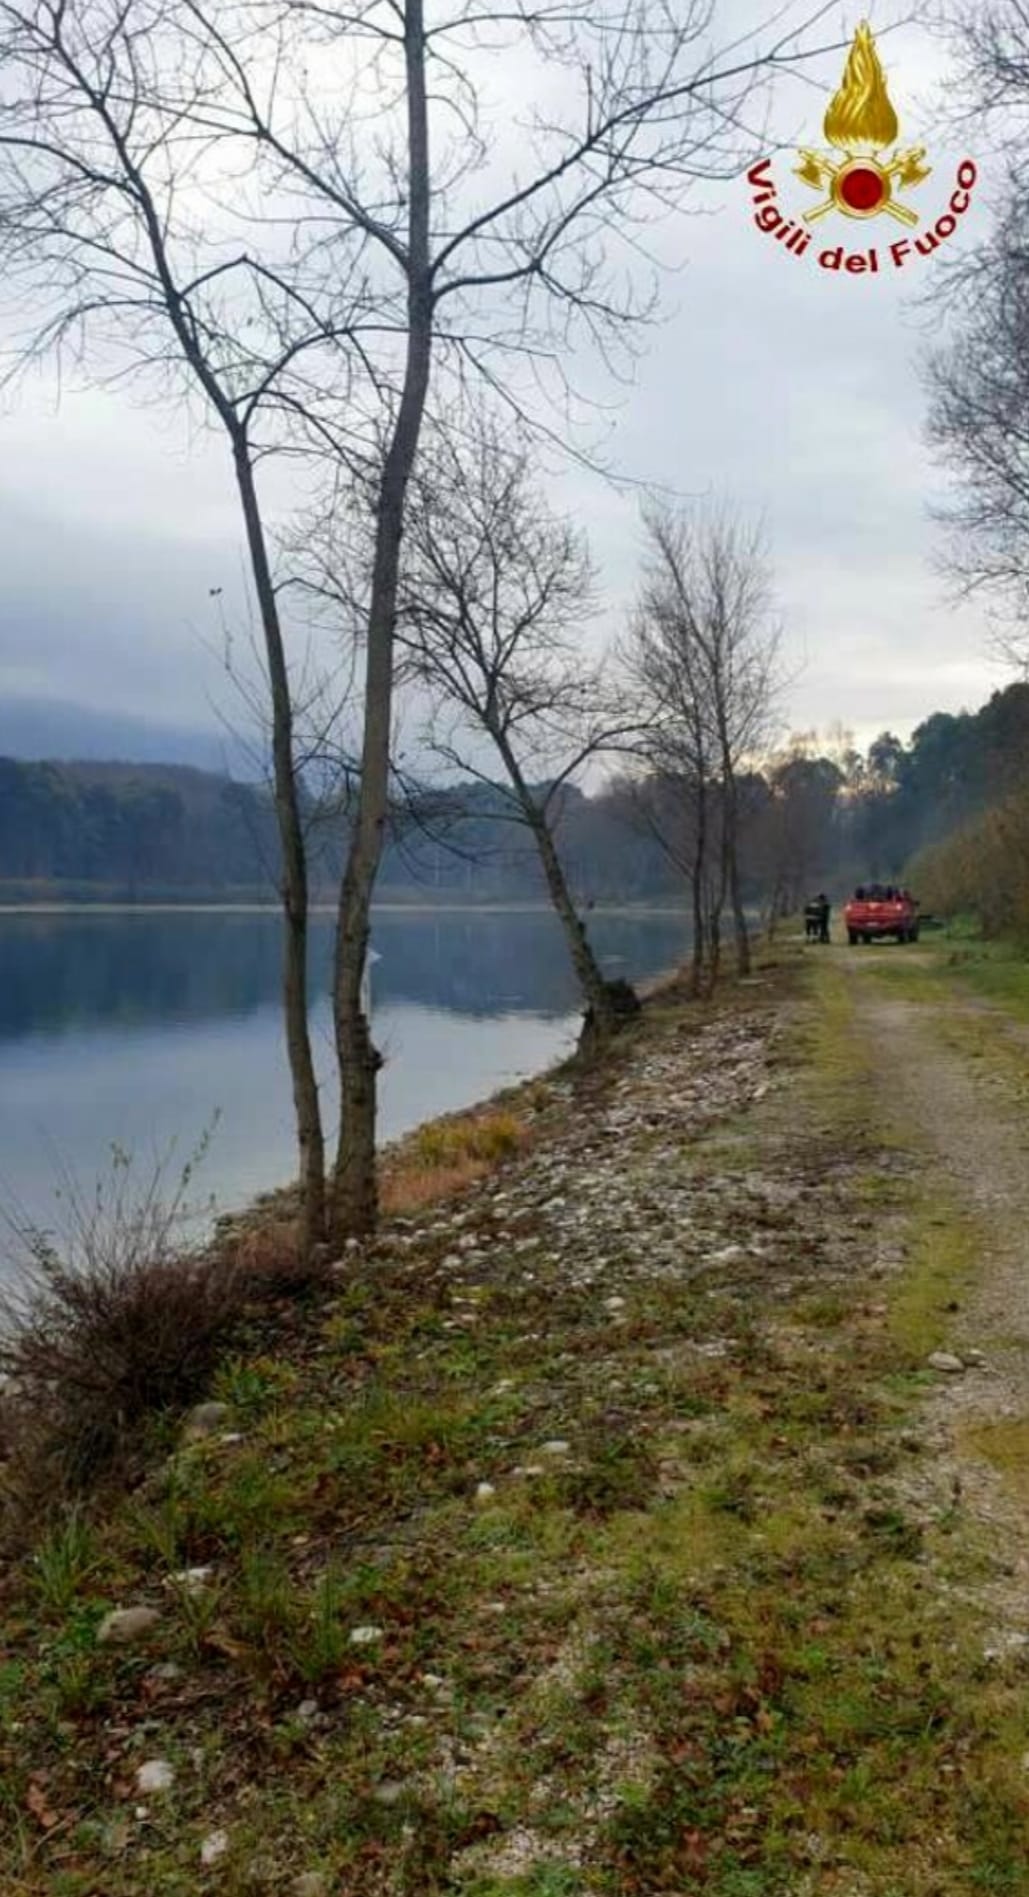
pixel 494 589
pixel 703 651
pixel 99 175
pixel 408 215
pixel 494 279
pixel 978 380
pixel 673 802
pixel 797 840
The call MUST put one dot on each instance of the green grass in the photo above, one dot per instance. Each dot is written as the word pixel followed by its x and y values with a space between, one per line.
pixel 712 1649
pixel 943 1248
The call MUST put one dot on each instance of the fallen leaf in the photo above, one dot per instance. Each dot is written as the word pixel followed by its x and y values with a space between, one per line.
pixel 38 1804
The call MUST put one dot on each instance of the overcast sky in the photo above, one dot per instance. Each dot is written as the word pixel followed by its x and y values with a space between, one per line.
pixel 791 391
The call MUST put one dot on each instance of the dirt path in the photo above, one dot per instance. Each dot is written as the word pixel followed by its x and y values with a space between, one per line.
pixel 955 1082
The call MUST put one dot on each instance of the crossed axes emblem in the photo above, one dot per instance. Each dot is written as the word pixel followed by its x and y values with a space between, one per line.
pixel 819 170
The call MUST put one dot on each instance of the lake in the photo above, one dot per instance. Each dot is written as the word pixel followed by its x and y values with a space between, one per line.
pixel 135 1029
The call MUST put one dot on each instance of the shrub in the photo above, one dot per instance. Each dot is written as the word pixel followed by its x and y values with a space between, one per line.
pixel 91 1351
pixel 121 1322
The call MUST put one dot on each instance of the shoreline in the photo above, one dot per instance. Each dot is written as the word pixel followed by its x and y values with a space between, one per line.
pixel 277 1202
pixel 513 907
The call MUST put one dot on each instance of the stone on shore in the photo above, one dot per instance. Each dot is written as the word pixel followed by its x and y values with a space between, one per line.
pixel 204 1420
pixel 124 1625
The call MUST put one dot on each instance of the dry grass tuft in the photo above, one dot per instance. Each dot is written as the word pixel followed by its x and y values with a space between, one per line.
pixel 486 1136
pixel 412 1187
pixel 447 1156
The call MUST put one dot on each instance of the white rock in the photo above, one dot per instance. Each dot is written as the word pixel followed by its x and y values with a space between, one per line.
pixel 555 1448
pixel 206 1419
pixel 214 1847
pixel 125 1624
pixel 310 1884
pixel 157 1775
pixel 192 1579
pixel 307 1709
pixel 485 1492
pixel 364 1636
pixel 945 1360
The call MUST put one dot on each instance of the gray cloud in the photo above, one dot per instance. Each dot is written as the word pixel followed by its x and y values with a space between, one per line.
pixel 771 382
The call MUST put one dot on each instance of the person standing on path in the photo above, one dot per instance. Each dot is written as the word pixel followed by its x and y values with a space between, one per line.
pixel 823 917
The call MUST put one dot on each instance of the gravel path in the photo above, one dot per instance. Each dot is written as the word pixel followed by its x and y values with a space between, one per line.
pixel 967 1115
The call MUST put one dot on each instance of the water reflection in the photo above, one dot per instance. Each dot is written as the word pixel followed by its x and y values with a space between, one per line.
pixel 136 1028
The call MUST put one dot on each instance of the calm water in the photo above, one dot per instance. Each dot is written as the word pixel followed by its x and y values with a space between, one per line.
pixel 137 1029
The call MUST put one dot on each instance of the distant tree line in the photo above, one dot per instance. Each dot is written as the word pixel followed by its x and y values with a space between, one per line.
pixel 818 811
pixel 148 830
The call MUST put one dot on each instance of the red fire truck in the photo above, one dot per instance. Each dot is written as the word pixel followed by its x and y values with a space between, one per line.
pixel 879 909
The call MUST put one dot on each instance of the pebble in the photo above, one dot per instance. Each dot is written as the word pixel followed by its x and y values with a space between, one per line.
pixel 614 1304
pixel 364 1636
pixel 485 1492
pixel 310 1884
pixel 192 1579
pixel 390 1792
pixel 945 1360
pixel 555 1448
pixel 214 1847
pixel 156 1775
pixel 205 1419
pixel 125 1624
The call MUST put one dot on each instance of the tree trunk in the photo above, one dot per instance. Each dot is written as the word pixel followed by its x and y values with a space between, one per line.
pixel 739 920
pixel 587 969
pixel 355 1195
pixel 294 892
pixel 731 821
pixel 699 921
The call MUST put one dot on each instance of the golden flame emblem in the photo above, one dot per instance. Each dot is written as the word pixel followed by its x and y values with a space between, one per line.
pixel 861 112
pixel 860 121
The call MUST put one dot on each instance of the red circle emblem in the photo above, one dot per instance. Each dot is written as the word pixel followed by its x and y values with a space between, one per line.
pixel 862 189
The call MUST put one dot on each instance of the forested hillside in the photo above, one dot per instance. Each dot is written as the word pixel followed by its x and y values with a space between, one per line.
pixel 130 831
pixel 816 812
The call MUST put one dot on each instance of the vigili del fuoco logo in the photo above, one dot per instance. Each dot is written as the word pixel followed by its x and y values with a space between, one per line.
pixel 862 177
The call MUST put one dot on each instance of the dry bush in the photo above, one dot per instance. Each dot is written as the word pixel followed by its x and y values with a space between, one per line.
pixel 118 1320
pixel 91 1351
pixel 267 1258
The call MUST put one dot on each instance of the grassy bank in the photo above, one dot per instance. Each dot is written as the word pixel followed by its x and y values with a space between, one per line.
pixel 572 1545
